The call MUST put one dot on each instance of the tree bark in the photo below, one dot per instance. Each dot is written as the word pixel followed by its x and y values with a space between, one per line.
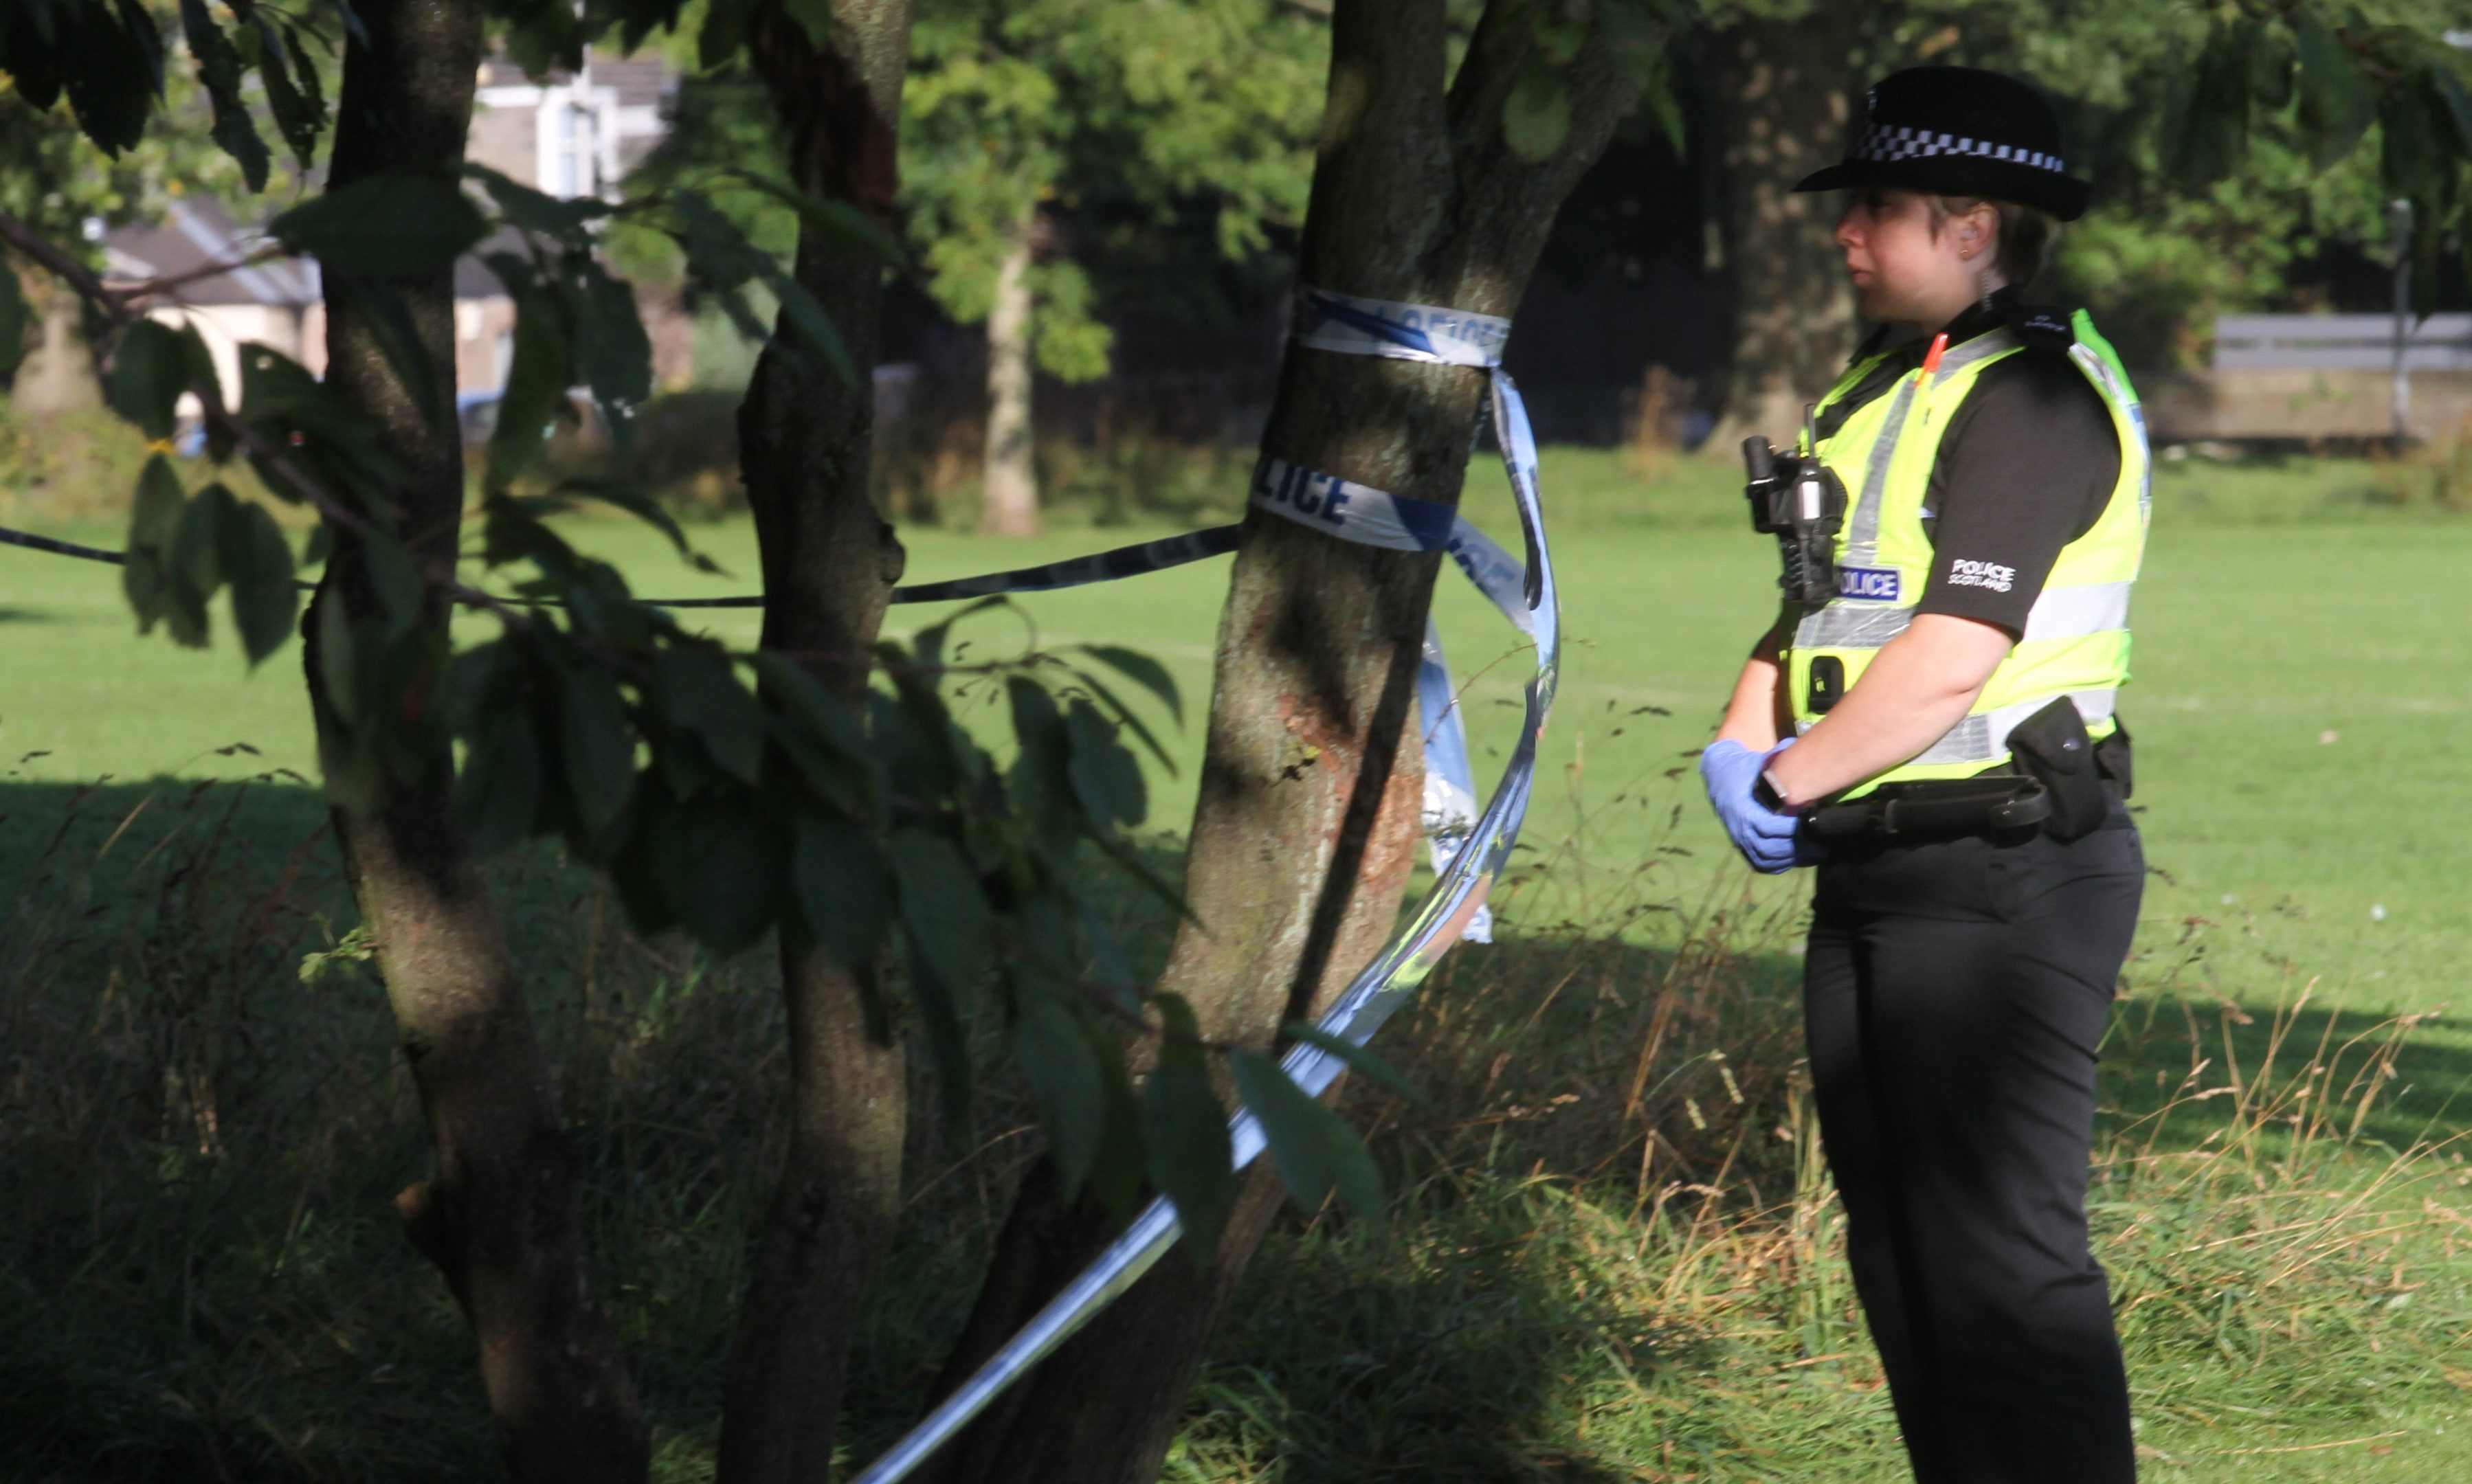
pixel 1783 93
pixel 1306 827
pixel 1011 480
pixel 57 374
pixel 829 561
pixel 499 1217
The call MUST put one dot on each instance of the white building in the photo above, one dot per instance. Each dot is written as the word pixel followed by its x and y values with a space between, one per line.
pixel 568 136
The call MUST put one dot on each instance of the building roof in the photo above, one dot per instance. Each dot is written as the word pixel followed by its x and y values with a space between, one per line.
pixel 640 81
pixel 197 233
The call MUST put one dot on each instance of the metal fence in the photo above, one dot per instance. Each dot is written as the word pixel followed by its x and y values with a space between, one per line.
pixel 2340 342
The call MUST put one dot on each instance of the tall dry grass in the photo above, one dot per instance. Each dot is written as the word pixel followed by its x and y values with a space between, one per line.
pixel 1616 1253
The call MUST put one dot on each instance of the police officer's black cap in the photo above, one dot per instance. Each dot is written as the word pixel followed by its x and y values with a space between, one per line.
pixel 1958 131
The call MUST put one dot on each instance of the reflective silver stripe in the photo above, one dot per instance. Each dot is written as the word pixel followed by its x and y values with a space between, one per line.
pixel 2125 400
pixel 1984 737
pixel 1982 348
pixel 1844 625
pixel 2074 612
pixel 1863 533
pixel 1967 741
pixel 2060 613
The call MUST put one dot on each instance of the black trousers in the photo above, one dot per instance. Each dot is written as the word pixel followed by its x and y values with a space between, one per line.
pixel 1954 993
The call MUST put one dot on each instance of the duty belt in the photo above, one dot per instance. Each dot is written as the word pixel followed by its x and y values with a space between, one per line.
pixel 1938 808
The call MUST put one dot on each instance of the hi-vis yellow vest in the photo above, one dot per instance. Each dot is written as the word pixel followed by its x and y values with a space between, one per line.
pixel 2076 642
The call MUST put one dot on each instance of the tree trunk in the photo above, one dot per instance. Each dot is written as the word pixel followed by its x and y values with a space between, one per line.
pixel 1306 827
pixel 1782 99
pixel 829 563
pixel 58 373
pixel 1010 482
pixel 499 1217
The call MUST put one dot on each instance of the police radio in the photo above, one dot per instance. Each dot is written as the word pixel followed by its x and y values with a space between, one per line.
pixel 1800 502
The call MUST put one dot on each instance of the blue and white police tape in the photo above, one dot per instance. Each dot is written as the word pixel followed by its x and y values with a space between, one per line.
pixel 1462 884
pixel 1355 327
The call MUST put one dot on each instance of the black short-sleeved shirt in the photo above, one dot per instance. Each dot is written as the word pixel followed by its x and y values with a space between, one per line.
pixel 2026 467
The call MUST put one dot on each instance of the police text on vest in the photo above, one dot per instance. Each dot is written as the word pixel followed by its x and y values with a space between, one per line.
pixel 1963 573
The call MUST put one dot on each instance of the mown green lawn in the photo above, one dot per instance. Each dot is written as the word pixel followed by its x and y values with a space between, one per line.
pixel 2301 683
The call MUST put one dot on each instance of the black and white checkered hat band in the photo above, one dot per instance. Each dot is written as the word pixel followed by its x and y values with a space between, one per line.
pixel 1877 141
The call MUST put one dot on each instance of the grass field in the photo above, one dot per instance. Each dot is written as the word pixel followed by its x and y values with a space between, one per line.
pixel 1547 1310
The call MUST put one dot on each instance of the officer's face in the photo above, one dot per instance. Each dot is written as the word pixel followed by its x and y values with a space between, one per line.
pixel 1908 264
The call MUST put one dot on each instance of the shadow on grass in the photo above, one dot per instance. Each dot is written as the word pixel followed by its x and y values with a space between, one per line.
pixel 1610 1256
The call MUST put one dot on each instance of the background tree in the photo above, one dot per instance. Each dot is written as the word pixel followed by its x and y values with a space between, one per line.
pixel 1433 185
pixel 1022 114
pixel 51 179
pixel 2187 224
pixel 912 881
pixel 846 817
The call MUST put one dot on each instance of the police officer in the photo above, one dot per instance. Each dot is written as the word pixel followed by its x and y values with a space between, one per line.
pixel 1935 730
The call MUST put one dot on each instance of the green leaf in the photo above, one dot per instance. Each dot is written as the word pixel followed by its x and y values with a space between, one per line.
pixel 2412 159
pixel 1057 1060
pixel 1144 671
pixel 948 1041
pixel 280 397
pixel 1117 1174
pixel 152 518
pixel 1107 779
pixel 1359 1058
pixel 815 17
pixel 633 499
pixel 1184 1131
pixel 1315 1150
pixel 115 59
pixel 699 692
pixel 148 372
pixel 2205 129
pixel 218 72
pixel 598 749
pixel 722 863
pixel 498 795
pixel 17 320
pixel 822 739
pixel 806 317
pixel 944 909
pixel 723 32
pixel 844 886
pixel 568 220
pixel 2337 100
pixel 298 114
pixel 611 351
pixel 257 564
pixel 387 225
pixel 195 567
pixel 1536 116
pixel 540 369
pixel 838 218
pixel 721 258
pixel 2443 95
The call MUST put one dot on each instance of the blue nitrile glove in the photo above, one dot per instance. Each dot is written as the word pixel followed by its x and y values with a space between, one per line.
pixel 1765 837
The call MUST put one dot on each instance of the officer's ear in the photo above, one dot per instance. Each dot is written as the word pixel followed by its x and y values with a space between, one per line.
pixel 1971 236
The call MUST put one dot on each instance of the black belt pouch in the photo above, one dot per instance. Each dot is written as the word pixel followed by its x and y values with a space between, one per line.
pixel 2051 748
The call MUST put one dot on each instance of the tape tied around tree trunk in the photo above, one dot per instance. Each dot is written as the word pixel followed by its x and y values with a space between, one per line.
pixel 1470 853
